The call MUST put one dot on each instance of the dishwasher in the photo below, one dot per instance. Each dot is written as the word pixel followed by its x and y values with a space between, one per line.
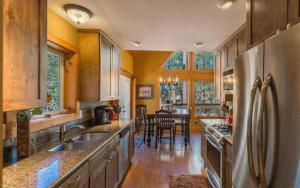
pixel 124 153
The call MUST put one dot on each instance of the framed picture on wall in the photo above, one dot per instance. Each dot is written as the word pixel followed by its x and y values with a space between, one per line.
pixel 144 92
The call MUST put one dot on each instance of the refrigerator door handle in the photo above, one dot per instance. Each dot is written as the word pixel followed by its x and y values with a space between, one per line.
pixel 256 85
pixel 260 135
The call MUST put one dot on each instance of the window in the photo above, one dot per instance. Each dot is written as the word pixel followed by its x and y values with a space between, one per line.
pixel 174 94
pixel 204 61
pixel 54 81
pixel 204 92
pixel 178 60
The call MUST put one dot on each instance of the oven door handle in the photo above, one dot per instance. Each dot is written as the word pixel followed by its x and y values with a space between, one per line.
pixel 212 142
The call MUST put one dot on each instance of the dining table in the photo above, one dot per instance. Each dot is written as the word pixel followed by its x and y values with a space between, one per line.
pixel 178 114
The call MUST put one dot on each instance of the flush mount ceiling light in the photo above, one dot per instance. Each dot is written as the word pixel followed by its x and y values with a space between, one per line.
pixel 225 4
pixel 198 44
pixel 77 13
pixel 136 44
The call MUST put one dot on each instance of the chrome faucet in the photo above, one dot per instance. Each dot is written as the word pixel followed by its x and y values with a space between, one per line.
pixel 63 132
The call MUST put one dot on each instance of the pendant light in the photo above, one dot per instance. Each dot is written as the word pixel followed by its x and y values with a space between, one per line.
pixel 225 4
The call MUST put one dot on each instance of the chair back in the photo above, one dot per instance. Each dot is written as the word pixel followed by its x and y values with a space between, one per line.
pixel 164 118
pixel 141 111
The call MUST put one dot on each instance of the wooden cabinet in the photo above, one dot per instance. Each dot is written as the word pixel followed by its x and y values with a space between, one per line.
pixel 98 67
pixel 97 169
pixel 203 144
pixel 112 169
pixel 218 75
pixel 228 165
pixel 115 73
pixel 231 53
pixel 241 42
pixel 293 11
pixel 79 179
pixel 264 18
pixel 24 54
pixel 105 70
pixel 131 142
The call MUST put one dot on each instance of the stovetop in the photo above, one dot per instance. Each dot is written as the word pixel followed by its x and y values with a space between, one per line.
pixel 219 131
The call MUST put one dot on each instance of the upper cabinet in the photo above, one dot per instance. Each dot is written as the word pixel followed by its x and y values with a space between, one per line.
pixel 98 68
pixel 265 17
pixel 293 11
pixel 24 54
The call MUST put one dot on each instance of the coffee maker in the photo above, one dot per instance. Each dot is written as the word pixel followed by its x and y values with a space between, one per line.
pixel 101 115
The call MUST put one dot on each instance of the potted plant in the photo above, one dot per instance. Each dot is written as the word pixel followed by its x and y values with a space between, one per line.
pixel 23 132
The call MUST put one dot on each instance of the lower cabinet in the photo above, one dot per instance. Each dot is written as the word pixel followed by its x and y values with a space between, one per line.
pixel 97 179
pixel 228 165
pixel 79 179
pixel 131 142
pixel 112 169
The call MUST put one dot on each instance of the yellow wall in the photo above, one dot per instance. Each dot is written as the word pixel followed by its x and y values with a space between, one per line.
pixel 147 70
pixel 60 28
pixel 127 61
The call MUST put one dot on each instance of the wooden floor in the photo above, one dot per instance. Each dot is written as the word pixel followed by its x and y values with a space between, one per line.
pixel 151 168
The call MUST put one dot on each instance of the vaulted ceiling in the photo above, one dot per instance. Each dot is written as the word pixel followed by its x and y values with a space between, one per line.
pixel 165 25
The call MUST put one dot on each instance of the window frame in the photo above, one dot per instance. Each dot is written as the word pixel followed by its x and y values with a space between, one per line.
pixel 62 84
pixel 188 94
pixel 171 55
pixel 193 63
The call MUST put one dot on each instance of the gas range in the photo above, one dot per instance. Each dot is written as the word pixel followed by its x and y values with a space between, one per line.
pixel 219 131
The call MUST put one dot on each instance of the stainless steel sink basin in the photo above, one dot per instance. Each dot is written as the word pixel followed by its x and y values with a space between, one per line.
pixel 72 146
pixel 91 137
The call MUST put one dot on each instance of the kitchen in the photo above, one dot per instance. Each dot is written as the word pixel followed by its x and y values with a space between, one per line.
pixel 98 94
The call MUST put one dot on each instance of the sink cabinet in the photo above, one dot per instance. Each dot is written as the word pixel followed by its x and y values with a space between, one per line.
pixel 98 67
pixel 79 179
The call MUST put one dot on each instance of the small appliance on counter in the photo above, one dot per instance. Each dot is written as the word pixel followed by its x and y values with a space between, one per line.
pixel 101 115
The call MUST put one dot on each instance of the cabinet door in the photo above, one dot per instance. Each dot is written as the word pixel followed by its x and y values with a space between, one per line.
pixel 24 54
pixel 115 71
pixel 105 78
pixel 80 179
pixel 241 42
pixel 97 179
pixel 293 11
pixel 264 18
pixel 231 52
pixel 218 76
pixel 223 66
pixel 131 142
pixel 112 170
pixel 89 70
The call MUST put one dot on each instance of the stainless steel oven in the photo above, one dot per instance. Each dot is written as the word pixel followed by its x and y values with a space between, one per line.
pixel 214 158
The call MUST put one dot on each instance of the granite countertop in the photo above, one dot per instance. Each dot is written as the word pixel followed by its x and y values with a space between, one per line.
pixel 49 168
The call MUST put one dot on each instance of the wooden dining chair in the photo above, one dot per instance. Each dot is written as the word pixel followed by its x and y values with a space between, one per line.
pixel 164 121
pixel 140 118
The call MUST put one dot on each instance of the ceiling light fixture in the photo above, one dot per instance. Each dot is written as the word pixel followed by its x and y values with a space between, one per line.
pixel 225 4
pixel 198 44
pixel 136 44
pixel 77 13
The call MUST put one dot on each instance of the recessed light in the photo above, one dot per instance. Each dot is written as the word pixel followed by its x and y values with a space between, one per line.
pixel 136 44
pixel 225 4
pixel 198 44
pixel 77 13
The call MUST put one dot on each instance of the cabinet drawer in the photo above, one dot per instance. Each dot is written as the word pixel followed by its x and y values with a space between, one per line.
pixel 98 159
pixel 79 179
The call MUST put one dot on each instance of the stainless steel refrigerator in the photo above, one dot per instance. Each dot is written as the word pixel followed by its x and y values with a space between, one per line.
pixel 266 139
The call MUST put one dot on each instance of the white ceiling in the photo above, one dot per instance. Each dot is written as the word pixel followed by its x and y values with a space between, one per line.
pixel 166 25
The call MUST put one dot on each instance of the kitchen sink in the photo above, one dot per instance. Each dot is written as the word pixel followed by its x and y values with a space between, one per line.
pixel 91 137
pixel 72 146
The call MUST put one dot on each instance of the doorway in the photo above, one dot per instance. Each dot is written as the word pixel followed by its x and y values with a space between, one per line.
pixel 125 96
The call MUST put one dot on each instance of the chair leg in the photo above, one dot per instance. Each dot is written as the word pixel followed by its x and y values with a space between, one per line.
pixel 170 138
pixel 156 138
pixel 174 134
pixel 182 130
pixel 145 129
pixel 160 135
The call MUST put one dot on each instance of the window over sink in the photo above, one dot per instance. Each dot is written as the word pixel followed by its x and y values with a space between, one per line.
pixel 55 61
